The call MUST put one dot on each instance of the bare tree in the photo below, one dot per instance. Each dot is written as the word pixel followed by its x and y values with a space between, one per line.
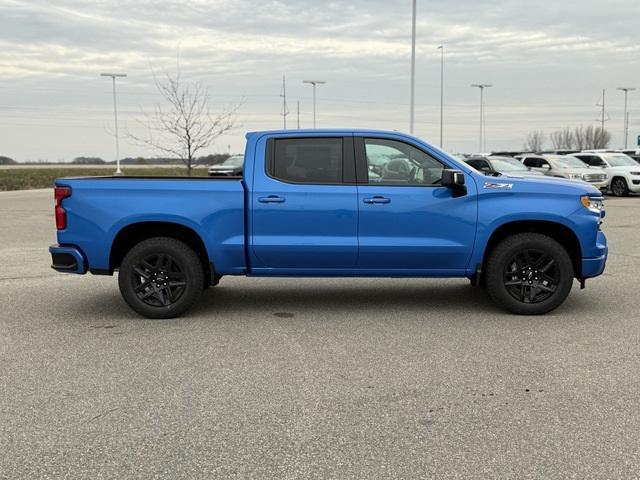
pixel 535 141
pixel 185 125
pixel 591 137
pixel 562 139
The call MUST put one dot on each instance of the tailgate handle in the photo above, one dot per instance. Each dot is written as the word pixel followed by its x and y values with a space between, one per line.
pixel 271 199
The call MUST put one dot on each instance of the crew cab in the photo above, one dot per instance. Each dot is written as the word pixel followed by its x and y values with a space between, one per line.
pixel 332 203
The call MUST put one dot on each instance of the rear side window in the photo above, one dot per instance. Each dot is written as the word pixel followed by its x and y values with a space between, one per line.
pixel 307 160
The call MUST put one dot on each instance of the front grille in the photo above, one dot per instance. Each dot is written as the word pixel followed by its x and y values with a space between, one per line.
pixel 595 177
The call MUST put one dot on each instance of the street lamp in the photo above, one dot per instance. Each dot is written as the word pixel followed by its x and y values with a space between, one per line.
pixel 413 68
pixel 441 48
pixel 314 83
pixel 626 91
pixel 483 141
pixel 115 114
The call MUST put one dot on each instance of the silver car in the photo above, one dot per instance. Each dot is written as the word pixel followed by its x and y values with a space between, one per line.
pixel 566 166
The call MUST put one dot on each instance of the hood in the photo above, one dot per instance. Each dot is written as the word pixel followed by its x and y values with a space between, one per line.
pixel 545 184
pixel 627 168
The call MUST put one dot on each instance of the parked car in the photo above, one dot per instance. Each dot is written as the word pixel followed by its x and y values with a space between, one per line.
pixel 307 205
pixel 502 165
pixel 565 166
pixel 231 167
pixel 623 171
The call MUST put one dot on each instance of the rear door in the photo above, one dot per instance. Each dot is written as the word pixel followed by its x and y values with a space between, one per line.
pixel 408 222
pixel 304 204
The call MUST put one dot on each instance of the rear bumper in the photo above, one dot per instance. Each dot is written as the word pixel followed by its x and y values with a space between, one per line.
pixel 67 259
pixel 594 266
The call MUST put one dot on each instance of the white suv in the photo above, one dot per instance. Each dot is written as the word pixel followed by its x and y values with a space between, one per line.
pixel 623 171
pixel 565 166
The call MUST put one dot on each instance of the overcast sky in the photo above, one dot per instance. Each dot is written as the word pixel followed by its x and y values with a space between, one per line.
pixel 548 61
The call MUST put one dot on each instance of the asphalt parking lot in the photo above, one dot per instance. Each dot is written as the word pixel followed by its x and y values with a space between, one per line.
pixel 283 378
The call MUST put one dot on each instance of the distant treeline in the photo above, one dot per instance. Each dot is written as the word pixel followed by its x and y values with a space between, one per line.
pixel 204 160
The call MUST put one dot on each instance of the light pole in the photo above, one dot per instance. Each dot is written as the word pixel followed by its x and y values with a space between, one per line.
pixel 626 91
pixel 441 48
pixel 413 68
pixel 115 114
pixel 482 86
pixel 314 83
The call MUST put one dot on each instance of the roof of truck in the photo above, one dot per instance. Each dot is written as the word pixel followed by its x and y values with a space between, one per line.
pixel 328 130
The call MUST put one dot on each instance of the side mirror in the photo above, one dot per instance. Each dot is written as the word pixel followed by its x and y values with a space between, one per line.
pixel 546 166
pixel 454 179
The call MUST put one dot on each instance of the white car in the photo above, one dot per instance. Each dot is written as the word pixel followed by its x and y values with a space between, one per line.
pixel 623 171
pixel 565 166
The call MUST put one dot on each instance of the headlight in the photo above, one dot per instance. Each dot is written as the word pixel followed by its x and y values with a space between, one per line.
pixel 634 173
pixel 594 204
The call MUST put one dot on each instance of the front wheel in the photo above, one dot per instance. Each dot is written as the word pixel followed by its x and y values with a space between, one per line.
pixel 619 187
pixel 529 274
pixel 161 278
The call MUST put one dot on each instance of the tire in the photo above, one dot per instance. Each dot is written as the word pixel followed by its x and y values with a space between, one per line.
pixel 160 278
pixel 526 263
pixel 619 187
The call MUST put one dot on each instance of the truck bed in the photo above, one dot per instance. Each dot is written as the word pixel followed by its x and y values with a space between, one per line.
pixel 100 208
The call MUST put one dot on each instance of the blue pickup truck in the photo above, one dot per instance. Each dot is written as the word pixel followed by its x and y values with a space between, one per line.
pixel 339 203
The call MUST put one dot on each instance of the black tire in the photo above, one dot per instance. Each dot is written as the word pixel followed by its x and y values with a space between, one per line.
pixel 529 274
pixel 161 278
pixel 619 187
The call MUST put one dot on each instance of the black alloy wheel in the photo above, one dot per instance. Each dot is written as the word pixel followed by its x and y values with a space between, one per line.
pixel 531 276
pixel 158 280
pixel 529 273
pixel 161 277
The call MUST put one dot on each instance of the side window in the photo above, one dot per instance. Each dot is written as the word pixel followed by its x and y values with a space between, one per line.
pixel 307 160
pixel 531 162
pixel 390 162
pixel 544 164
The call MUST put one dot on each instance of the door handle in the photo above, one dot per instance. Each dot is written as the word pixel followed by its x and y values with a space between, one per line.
pixel 271 199
pixel 377 200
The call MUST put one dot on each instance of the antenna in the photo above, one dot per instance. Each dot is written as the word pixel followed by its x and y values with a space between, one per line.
pixel 285 111
pixel 602 112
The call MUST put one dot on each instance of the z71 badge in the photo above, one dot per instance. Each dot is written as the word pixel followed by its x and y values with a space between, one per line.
pixel 496 185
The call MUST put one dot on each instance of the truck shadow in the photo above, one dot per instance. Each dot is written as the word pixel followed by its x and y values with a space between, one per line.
pixel 357 295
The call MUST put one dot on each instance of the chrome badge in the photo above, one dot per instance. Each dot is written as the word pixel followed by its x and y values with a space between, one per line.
pixel 497 185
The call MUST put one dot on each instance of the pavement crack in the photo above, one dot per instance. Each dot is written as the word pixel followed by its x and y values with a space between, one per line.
pixel 106 412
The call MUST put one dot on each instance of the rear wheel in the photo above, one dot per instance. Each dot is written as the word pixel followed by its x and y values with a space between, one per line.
pixel 161 278
pixel 619 187
pixel 529 274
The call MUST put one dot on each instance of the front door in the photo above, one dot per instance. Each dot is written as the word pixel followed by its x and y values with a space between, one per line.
pixel 304 205
pixel 407 220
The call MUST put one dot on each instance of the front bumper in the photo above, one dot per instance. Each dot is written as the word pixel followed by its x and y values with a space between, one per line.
pixel 594 266
pixel 67 259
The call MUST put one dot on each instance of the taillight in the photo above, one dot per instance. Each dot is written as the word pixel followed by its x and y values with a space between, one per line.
pixel 60 193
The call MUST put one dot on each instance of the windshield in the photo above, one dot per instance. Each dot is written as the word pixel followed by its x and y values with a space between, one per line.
pixel 570 162
pixel 620 160
pixel 507 165
pixel 235 161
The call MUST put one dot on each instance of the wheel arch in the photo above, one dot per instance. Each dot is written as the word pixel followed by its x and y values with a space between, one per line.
pixel 136 232
pixel 561 233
